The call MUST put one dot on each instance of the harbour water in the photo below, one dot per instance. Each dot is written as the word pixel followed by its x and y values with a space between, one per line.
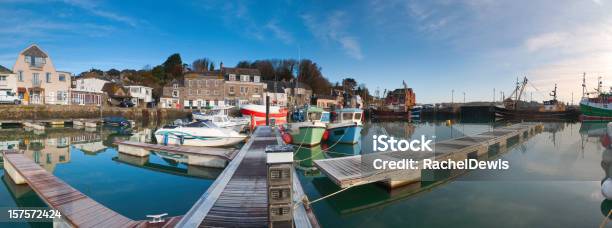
pixel 554 178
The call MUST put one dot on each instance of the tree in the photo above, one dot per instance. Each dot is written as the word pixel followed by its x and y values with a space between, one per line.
pixel 310 74
pixel 349 84
pixel 212 66
pixel 244 64
pixel 113 73
pixel 200 65
pixel 173 66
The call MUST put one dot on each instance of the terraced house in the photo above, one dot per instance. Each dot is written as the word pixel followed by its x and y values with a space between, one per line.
pixel 38 82
pixel 243 86
pixel 203 90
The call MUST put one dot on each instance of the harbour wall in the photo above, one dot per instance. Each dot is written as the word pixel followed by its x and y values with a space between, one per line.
pixel 44 112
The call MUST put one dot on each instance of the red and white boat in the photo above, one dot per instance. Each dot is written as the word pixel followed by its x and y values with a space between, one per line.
pixel 258 113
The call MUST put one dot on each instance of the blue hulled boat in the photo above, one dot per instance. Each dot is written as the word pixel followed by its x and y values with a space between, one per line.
pixel 347 126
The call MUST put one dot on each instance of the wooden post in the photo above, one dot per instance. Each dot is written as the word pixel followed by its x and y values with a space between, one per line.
pixel 279 160
pixel 267 110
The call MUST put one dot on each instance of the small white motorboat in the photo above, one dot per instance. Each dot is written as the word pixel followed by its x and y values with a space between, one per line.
pixel 219 116
pixel 201 133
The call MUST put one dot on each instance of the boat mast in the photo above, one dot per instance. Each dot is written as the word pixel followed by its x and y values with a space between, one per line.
pixel 554 93
pixel 584 92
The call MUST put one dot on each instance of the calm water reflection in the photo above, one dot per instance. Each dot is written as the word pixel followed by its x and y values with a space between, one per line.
pixel 87 160
pixel 554 180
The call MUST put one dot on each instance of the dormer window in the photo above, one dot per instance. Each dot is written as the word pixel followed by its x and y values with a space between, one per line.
pixel 35 61
pixel 244 78
pixel 175 86
pixel 232 77
pixel 256 78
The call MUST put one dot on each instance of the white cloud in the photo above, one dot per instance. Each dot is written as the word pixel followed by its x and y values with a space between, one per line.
pixel 92 7
pixel 546 40
pixel 333 28
pixel 279 32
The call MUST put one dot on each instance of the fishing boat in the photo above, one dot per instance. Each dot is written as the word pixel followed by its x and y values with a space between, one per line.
pixel 220 117
pixel 347 126
pixel 200 133
pixel 397 104
pixel 277 115
pixel 310 131
pixel 550 110
pixel 597 107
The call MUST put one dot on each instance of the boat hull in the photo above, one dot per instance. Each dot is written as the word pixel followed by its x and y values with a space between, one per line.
pixel 349 134
pixel 593 112
pixel 308 135
pixel 189 138
pixel 535 115
pixel 258 114
pixel 390 115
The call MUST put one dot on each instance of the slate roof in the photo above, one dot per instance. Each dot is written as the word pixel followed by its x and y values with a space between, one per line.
pixel 35 51
pixel 5 70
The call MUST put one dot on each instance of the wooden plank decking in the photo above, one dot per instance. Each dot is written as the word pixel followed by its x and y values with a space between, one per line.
pixel 350 171
pixel 238 198
pixel 75 207
pixel 224 153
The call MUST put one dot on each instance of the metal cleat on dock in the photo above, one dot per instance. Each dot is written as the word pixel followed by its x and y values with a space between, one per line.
pixel 157 218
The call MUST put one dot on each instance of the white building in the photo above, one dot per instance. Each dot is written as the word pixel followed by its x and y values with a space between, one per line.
pixel 8 80
pixel 38 82
pixel 141 95
pixel 277 97
pixel 88 91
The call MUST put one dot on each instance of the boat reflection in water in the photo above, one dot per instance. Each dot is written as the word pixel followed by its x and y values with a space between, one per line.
pixel 175 164
pixel 341 149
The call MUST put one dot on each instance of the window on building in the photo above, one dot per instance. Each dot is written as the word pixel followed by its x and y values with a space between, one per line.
pixel 135 90
pixel 244 78
pixel 232 77
pixel 231 89
pixel 256 90
pixel 241 89
pixel 200 83
pixel 36 78
pixel 255 78
pixel 35 61
pixel 62 78
pixel 2 78
pixel 48 77
pixel 20 76
pixel 175 86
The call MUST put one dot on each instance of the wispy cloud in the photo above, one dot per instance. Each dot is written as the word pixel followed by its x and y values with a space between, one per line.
pixel 334 28
pixel 95 9
pixel 279 32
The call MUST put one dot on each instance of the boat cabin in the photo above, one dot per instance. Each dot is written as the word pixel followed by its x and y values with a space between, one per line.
pixel 315 114
pixel 349 115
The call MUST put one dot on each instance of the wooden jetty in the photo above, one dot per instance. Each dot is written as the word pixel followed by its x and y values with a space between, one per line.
pixel 351 171
pixel 49 121
pixel 238 197
pixel 77 210
pixel 200 156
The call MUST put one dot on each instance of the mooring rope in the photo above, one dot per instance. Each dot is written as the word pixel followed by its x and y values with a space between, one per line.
pixel 605 221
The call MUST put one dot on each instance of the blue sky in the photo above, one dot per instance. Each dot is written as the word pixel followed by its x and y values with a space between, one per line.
pixel 435 46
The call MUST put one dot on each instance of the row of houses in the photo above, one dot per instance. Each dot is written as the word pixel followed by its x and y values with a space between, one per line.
pixel 35 80
pixel 231 87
